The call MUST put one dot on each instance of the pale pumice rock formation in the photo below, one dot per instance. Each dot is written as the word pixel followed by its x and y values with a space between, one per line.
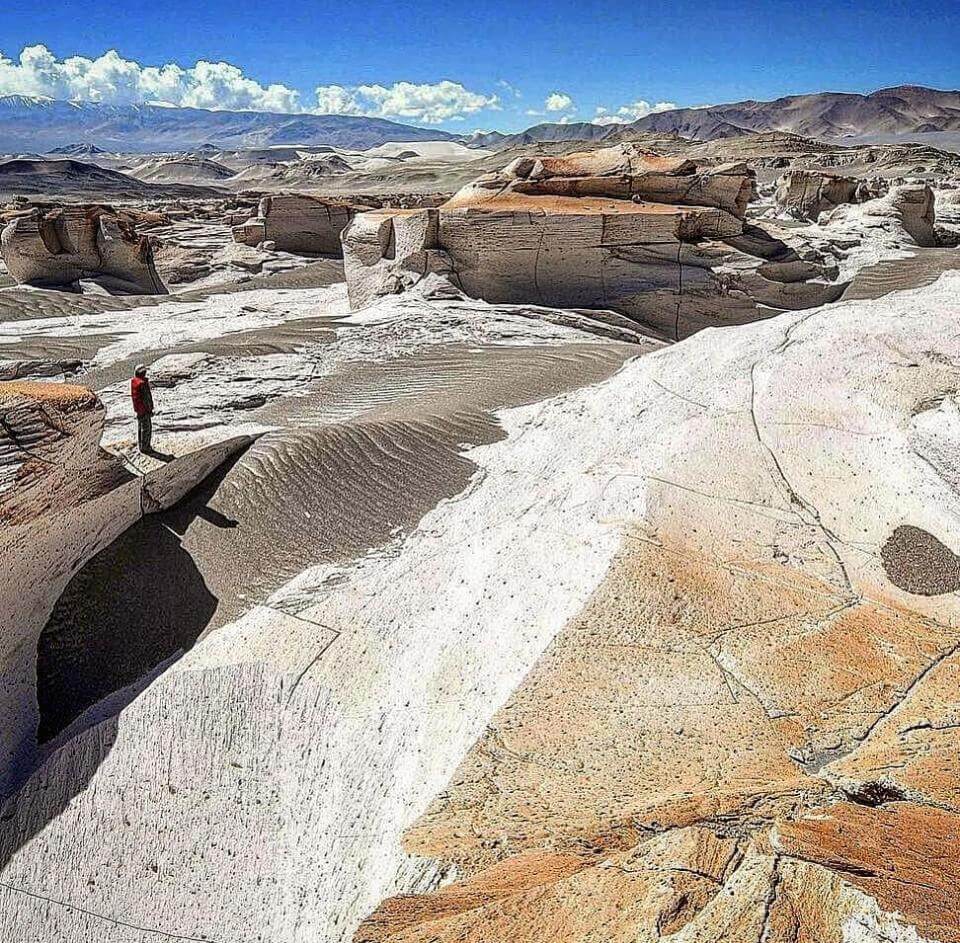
pixel 805 194
pixel 947 223
pixel 296 222
pixel 658 239
pixel 57 248
pixel 739 604
pixel 750 730
pixel 907 215
pixel 62 500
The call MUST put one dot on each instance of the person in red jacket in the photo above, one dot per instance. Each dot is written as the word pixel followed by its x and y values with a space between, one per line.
pixel 143 406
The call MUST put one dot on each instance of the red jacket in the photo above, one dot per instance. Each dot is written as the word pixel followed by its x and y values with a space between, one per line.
pixel 141 396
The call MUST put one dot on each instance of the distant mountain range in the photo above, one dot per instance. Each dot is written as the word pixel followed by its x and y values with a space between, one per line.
pixel 41 125
pixel 900 112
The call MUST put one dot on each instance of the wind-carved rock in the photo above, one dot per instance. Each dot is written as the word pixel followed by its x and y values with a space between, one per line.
pixel 947 223
pixel 296 222
pixel 59 247
pixel 907 213
pixel 62 499
pixel 658 239
pixel 805 194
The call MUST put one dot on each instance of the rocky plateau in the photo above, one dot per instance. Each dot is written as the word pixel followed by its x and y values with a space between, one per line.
pixel 554 539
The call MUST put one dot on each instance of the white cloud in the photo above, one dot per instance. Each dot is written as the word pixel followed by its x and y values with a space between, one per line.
pixel 111 79
pixel 117 81
pixel 509 87
pixel 337 100
pixel 632 112
pixel 558 101
pixel 431 104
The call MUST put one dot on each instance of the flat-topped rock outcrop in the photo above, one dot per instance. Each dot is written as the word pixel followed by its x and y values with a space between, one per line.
pixel 659 239
pixel 805 194
pixel 297 222
pixel 57 248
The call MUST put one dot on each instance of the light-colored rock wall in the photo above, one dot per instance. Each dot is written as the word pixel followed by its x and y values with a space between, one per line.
pixel 906 213
pixel 296 222
pixel 57 248
pixel 805 194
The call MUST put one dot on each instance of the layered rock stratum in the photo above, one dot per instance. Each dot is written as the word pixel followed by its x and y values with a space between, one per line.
pixel 659 239
pixel 57 248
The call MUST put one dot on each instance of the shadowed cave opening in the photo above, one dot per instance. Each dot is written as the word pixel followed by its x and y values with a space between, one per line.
pixel 131 608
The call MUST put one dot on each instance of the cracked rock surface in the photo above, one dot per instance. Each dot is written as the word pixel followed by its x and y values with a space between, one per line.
pixel 748 733
pixel 646 674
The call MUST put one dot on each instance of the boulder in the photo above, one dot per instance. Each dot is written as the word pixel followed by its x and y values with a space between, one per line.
pixel 805 194
pixel 57 248
pixel 658 239
pixel 297 222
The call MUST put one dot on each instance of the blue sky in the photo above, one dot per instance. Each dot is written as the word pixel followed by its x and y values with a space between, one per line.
pixel 464 65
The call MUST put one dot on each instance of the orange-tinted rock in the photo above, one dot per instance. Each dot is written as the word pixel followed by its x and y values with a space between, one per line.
pixel 906 856
pixel 658 239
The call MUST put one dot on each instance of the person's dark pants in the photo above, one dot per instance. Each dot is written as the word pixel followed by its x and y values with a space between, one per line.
pixel 145 433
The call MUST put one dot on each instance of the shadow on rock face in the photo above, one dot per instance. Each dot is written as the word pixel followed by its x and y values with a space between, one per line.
pixel 915 561
pixel 120 622
pixel 133 606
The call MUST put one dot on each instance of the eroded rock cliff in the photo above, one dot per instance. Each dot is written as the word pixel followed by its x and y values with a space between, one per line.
pixel 62 500
pixel 659 239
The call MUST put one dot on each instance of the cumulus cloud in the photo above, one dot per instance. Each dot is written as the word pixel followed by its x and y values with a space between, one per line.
pixel 632 112
pixel 429 103
pixel 111 79
pixel 558 101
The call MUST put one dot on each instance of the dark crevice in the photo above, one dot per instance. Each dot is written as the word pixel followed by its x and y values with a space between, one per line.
pixel 873 793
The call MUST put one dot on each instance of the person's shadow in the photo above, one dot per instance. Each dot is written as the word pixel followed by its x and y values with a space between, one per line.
pixel 160 456
pixel 212 516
